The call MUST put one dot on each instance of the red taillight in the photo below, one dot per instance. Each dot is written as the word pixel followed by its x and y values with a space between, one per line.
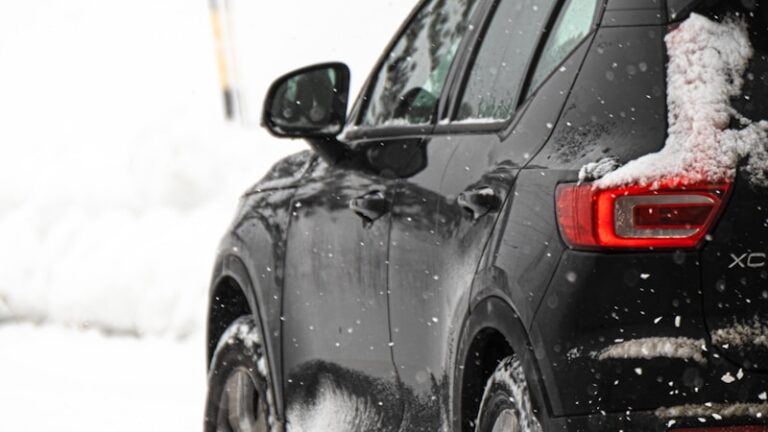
pixel 671 215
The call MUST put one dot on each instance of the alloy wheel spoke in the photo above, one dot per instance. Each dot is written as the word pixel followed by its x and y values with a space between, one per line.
pixel 241 400
pixel 506 422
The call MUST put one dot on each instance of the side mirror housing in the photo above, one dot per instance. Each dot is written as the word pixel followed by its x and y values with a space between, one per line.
pixel 310 103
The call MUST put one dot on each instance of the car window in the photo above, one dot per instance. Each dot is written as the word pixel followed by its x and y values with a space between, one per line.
pixel 573 24
pixel 490 93
pixel 407 87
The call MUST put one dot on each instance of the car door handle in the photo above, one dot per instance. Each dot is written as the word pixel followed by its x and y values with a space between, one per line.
pixel 370 206
pixel 479 202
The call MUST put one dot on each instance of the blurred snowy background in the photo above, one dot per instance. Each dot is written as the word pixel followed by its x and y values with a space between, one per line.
pixel 118 175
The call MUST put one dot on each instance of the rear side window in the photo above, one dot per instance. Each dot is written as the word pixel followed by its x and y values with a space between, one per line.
pixel 407 88
pixel 573 24
pixel 497 74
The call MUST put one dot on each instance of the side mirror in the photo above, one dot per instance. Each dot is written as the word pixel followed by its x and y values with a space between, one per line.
pixel 309 103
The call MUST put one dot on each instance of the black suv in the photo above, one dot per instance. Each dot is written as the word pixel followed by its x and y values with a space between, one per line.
pixel 434 265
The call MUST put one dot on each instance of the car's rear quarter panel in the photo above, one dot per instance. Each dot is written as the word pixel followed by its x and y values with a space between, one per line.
pixel 597 300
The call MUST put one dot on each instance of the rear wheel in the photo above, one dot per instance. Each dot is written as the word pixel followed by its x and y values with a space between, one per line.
pixel 238 390
pixel 506 404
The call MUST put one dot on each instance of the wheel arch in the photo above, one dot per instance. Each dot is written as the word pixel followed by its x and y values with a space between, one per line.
pixel 233 294
pixel 228 302
pixel 249 268
pixel 492 331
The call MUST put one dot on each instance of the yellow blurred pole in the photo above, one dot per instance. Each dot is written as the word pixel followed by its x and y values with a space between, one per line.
pixel 224 55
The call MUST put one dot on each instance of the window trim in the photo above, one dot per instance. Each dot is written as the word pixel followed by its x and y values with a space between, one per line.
pixel 462 87
pixel 355 115
pixel 465 56
pixel 596 19
pixel 355 133
pixel 449 124
pixel 354 130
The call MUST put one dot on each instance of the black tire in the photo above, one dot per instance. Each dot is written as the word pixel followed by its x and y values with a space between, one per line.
pixel 506 404
pixel 239 395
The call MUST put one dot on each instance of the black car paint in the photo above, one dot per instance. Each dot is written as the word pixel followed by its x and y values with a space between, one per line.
pixel 734 274
pixel 734 263
pixel 335 297
pixel 418 284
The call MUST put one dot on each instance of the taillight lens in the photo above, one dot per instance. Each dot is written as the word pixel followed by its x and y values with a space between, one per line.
pixel 670 215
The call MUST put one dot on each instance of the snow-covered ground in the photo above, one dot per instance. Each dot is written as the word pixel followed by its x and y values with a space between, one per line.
pixel 72 381
pixel 117 177
pixel 117 173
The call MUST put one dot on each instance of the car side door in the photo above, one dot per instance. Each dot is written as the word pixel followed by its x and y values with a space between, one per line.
pixel 335 336
pixel 500 113
pixel 335 313
pixel 397 114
